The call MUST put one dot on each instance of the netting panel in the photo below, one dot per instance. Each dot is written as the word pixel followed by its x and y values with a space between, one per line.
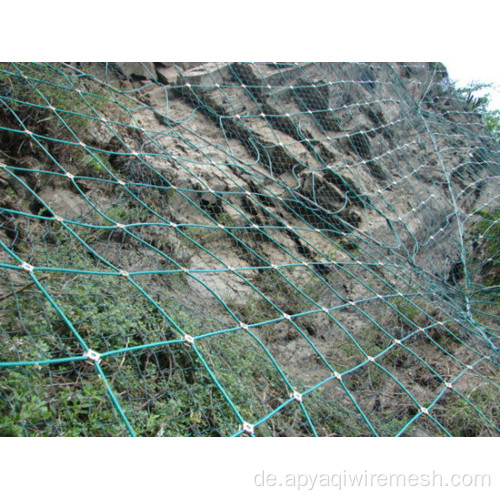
pixel 228 249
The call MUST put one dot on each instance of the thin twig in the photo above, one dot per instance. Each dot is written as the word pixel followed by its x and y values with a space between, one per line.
pixel 121 362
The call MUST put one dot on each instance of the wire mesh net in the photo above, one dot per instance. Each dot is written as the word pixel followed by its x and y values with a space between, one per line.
pixel 228 249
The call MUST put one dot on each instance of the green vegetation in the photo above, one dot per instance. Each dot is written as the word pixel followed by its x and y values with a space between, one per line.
pixel 42 99
pixel 484 261
pixel 482 105
pixel 163 390
pixel 460 413
pixel 489 230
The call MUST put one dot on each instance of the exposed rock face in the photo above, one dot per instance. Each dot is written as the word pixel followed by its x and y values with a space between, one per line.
pixel 330 207
pixel 137 70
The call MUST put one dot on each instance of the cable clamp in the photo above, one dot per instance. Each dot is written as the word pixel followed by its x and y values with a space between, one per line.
pixel 93 356
pixel 27 267
pixel 297 396
pixel 248 428
pixel 188 339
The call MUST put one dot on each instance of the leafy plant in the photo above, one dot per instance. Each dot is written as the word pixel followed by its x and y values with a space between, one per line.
pixel 473 99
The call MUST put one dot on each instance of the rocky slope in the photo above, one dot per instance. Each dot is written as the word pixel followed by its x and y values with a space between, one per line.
pixel 277 249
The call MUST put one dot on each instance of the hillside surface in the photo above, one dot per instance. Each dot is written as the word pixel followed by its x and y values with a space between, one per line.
pixel 268 249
